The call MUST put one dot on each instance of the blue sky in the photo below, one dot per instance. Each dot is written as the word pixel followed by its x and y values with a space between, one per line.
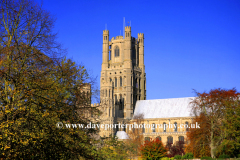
pixel 192 44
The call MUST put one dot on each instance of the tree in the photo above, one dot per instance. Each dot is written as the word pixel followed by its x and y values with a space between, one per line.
pixel 38 88
pixel 198 138
pixel 231 128
pixel 212 107
pixel 136 136
pixel 153 150
pixel 113 149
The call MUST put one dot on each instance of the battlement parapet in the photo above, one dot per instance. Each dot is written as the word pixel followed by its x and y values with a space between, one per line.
pixel 119 37
pixel 116 38
pixel 105 31
pixel 95 105
pixel 140 34
pixel 127 28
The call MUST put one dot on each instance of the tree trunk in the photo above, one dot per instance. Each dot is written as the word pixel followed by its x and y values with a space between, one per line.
pixel 212 146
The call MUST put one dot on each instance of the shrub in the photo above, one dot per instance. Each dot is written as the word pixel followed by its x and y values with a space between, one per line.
pixel 166 158
pixel 188 156
pixel 176 149
pixel 224 156
pixel 153 150
pixel 178 157
pixel 206 158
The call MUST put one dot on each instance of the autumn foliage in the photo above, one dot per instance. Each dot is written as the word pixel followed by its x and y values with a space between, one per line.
pixel 135 137
pixel 175 149
pixel 218 113
pixel 38 88
pixel 153 150
pixel 199 138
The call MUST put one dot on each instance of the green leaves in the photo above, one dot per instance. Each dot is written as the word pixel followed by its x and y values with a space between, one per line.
pixel 113 149
pixel 38 88
pixel 218 113
pixel 231 127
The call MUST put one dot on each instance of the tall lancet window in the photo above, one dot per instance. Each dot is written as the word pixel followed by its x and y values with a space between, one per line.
pixel 116 51
pixel 115 99
pixel 120 103
pixel 120 81
pixel 115 82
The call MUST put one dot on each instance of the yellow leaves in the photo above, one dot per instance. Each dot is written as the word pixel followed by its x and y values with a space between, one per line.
pixel 45 114
pixel 6 147
pixel 25 142
pixel 7 111
pixel 11 134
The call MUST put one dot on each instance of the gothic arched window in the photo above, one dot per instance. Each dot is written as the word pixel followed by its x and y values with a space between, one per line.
pixel 120 103
pixel 186 126
pixel 153 127
pixel 159 138
pixel 164 127
pixel 170 139
pixel 181 138
pixel 115 99
pixel 143 128
pixel 147 139
pixel 116 51
pixel 115 82
pixel 175 127
pixel 120 81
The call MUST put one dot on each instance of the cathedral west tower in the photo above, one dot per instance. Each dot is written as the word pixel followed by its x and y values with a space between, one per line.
pixel 123 78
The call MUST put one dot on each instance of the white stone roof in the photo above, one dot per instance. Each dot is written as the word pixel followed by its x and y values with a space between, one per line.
pixel 164 108
pixel 122 135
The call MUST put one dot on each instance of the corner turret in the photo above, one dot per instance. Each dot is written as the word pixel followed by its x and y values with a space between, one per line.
pixel 128 32
pixel 105 50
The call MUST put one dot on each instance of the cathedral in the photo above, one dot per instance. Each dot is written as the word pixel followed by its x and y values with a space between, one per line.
pixel 123 93
pixel 123 78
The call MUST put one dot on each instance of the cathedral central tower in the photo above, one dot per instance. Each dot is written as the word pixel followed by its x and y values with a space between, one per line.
pixel 123 78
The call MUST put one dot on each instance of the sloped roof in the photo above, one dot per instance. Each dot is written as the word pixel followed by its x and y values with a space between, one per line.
pixel 122 135
pixel 164 108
